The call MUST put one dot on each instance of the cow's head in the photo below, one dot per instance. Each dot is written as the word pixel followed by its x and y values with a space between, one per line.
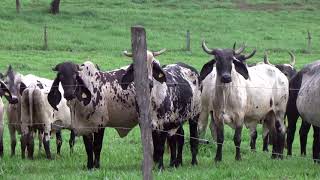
pixel 153 66
pixel 72 84
pixel 13 81
pixel 4 91
pixel 286 69
pixel 225 60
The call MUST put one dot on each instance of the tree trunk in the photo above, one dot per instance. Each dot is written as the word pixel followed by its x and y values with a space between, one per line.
pixel 54 9
pixel 18 6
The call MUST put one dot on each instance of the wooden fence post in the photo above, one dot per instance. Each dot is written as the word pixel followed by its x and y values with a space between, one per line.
pixel 188 47
pixel 18 6
pixel 309 42
pixel 45 38
pixel 139 50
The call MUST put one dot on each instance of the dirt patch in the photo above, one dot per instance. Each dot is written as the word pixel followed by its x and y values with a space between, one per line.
pixel 273 6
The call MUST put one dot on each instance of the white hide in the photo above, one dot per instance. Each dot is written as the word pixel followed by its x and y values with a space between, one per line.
pixel 249 101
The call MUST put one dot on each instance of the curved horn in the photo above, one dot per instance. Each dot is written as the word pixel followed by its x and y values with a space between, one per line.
pixel 252 54
pixel 265 58
pixel 205 48
pixel 126 53
pixel 293 59
pixel 157 53
pixel 240 50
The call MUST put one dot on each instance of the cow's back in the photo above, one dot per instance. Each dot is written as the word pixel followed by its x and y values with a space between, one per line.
pixel 308 99
pixel 268 89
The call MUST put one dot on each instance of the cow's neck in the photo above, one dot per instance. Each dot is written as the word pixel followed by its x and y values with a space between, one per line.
pixel 227 95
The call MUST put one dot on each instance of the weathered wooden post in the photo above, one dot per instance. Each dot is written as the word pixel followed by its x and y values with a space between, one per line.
pixel 139 50
pixel 188 46
pixel 45 38
pixel 18 6
pixel 309 42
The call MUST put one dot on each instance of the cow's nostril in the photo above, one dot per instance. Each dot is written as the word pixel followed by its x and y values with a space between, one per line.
pixel 226 78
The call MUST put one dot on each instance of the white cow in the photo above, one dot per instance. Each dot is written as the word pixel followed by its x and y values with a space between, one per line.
pixel 17 83
pixel 4 91
pixel 247 96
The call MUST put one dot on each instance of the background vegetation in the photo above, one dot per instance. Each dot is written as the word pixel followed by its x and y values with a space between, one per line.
pixel 99 30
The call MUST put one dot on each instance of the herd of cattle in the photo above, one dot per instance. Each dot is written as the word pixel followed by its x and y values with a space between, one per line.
pixel 85 100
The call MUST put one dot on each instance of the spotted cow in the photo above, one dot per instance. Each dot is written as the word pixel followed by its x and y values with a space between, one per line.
pixel 175 98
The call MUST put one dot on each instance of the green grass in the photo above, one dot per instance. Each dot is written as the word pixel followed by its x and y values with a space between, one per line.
pixel 100 30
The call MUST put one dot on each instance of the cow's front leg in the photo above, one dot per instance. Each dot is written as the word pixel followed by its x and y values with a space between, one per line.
pixel 72 140
pixel 220 139
pixel 88 142
pixel 266 139
pixel 172 140
pixel 159 139
pixel 237 141
pixel 58 141
pixel 97 146
pixel 23 140
pixel 316 144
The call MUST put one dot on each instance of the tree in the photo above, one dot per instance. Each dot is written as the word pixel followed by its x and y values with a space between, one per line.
pixel 54 9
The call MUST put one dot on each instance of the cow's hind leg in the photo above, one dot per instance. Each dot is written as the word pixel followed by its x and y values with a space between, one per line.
pixel 292 116
pixel 72 140
pixel 46 144
pixel 97 146
pixel 30 144
pixel 316 144
pixel 180 139
pixel 194 140
pixel 266 139
pixel 40 138
pixel 88 142
pixel 58 141
pixel 303 132
pixel 253 137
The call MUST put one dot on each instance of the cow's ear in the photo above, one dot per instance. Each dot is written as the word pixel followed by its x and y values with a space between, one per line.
pixel 22 88
pixel 206 69
pixel 54 96
pixel 241 68
pixel 127 78
pixel 4 91
pixel 158 73
pixel 82 92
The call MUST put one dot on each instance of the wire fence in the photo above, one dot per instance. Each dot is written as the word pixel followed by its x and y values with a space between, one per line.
pixel 200 140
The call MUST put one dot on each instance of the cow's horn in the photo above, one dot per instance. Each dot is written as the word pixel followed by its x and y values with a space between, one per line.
pixel 251 54
pixel 127 53
pixel 240 50
pixel 205 48
pixel 293 59
pixel 265 58
pixel 157 53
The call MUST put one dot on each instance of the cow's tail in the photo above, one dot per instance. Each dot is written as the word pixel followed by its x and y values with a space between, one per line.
pixel 31 103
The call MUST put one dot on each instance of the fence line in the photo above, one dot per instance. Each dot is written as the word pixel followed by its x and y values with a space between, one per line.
pixel 203 141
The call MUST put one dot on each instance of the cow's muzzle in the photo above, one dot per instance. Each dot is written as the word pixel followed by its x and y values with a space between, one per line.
pixel 226 78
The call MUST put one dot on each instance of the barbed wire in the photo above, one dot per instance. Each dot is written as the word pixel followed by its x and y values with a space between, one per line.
pixel 200 140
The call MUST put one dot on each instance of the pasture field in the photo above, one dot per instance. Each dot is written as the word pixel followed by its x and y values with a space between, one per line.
pixel 99 30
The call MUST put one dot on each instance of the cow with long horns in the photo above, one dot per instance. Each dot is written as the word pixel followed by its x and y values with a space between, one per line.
pixel 246 95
